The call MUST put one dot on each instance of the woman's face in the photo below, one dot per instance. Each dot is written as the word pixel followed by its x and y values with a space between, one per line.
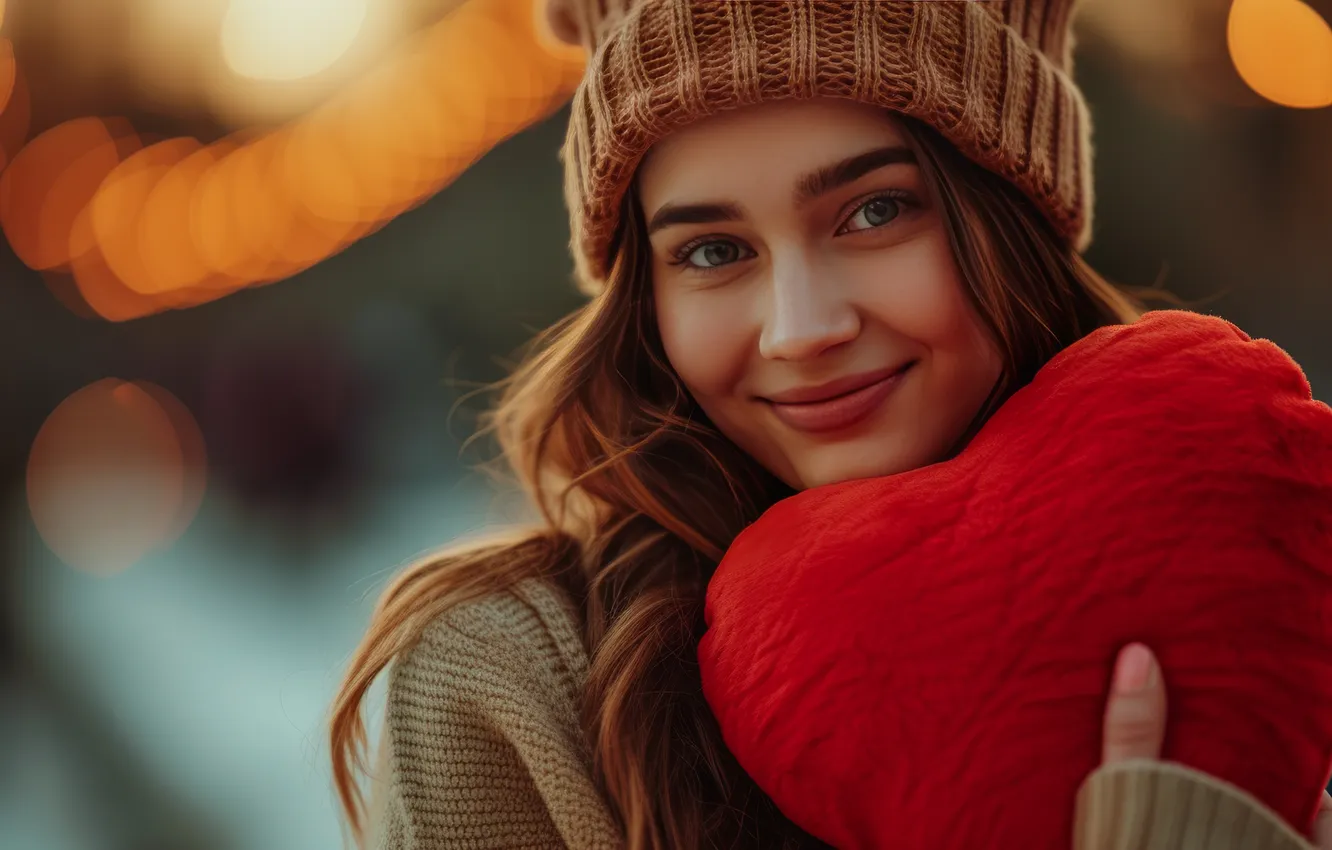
pixel 806 293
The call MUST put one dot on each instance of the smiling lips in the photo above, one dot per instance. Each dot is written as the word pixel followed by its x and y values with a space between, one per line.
pixel 838 404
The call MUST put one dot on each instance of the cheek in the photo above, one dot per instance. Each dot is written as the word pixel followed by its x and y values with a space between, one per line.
pixel 918 293
pixel 706 340
pixel 916 290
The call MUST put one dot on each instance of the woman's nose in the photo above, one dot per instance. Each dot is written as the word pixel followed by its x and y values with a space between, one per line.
pixel 806 316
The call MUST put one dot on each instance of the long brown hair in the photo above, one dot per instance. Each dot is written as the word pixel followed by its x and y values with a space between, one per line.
pixel 640 496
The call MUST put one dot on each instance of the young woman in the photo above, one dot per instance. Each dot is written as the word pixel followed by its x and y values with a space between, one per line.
pixel 824 241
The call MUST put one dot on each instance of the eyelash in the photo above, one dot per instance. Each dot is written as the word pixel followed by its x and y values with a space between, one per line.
pixel 680 257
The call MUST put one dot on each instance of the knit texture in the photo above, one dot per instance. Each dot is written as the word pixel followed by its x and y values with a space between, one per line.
pixel 481 750
pixel 992 76
pixel 482 747
pixel 1124 807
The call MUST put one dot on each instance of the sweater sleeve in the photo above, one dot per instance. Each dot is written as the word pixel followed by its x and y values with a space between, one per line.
pixel 1151 805
pixel 481 745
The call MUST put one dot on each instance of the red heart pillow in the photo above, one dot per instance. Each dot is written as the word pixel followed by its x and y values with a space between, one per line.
pixel 922 661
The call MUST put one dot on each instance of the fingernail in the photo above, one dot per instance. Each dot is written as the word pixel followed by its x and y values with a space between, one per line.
pixel 1133 669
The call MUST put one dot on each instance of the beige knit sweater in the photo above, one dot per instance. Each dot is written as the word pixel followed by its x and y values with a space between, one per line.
pixel 482 751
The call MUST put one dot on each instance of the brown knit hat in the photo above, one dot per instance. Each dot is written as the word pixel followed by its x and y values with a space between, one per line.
pixel 993 76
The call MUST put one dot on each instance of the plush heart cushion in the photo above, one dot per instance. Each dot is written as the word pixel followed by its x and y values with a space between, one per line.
pixel 922 661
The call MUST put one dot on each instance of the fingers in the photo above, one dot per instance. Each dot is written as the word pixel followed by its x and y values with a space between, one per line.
pixel 1323 824
pixel 1135 716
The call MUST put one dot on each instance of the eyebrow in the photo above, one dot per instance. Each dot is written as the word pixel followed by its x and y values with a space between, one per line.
pixel 810 187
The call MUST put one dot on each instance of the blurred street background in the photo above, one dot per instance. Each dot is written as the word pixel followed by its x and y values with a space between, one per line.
pixel 258 255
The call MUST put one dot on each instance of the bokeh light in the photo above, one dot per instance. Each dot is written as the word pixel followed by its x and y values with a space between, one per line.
pixel 178 223
pixel 50 182
pixel 289 39
pixel 194 460
pixel 116 471
pixel 119 205
pixel 16 117
pixel 8 71
pixel 1283 51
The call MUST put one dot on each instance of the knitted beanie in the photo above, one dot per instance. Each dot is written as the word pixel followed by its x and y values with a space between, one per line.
pixel 992 76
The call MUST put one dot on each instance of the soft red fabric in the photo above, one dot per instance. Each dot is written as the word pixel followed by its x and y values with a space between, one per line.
pixel 921 662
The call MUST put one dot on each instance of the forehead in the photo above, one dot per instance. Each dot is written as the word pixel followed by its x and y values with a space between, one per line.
pixel 772 143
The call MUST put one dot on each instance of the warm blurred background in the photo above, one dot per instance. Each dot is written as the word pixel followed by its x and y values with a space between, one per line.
pixel 257 255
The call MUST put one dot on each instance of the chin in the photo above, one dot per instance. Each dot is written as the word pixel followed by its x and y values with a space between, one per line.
pixel 850 462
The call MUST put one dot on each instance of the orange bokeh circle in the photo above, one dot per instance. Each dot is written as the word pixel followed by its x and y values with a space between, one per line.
pixel 115 472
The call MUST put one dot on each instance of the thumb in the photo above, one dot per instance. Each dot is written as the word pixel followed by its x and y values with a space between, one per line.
pixel 1135 717
pixel 1323 825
